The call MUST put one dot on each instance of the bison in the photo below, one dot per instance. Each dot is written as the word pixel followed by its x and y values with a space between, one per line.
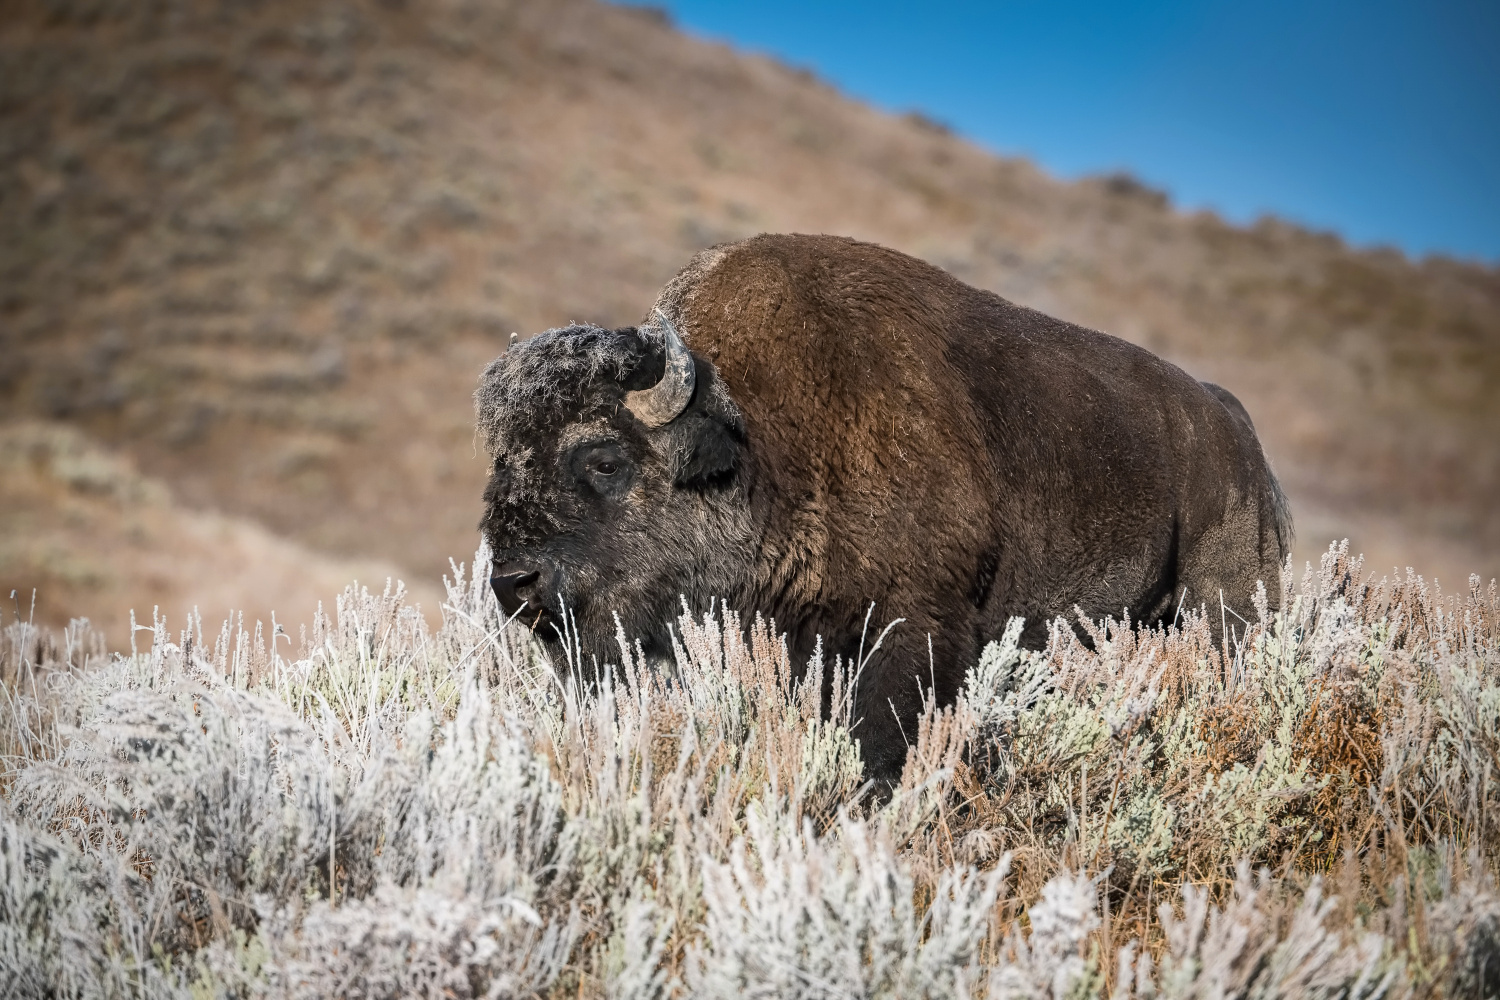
pixel 807 424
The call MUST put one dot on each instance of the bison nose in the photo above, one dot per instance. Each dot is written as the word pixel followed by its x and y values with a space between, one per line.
pixel 507 588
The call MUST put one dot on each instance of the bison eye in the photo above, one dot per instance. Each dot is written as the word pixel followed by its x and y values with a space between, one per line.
pixel 602 467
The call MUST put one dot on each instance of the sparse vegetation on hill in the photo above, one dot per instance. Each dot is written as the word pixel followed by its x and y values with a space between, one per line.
pixel 264 249
pixel 379 810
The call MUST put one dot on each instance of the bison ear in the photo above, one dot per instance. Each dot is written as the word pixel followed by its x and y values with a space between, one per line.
pixel 708 453
pixel 708 439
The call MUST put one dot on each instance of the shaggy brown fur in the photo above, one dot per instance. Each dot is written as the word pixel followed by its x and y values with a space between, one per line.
pixel 869 428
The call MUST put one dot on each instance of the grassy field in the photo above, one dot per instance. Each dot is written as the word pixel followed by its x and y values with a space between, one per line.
pixel 372 808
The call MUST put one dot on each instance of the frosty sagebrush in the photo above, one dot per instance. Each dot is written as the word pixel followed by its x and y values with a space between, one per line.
pixel 394 812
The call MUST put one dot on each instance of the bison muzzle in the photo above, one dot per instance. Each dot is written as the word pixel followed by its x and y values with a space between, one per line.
pixel 807 424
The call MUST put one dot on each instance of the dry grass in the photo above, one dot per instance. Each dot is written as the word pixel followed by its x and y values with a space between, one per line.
pixel 389 811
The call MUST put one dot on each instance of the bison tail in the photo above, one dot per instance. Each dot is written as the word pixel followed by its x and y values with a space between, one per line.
pixel 1281 507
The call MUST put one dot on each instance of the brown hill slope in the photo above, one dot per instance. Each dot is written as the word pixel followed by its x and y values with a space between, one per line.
pixel 83 533
pixel 265 248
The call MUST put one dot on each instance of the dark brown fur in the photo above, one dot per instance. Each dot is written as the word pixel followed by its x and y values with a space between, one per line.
pixel 903 438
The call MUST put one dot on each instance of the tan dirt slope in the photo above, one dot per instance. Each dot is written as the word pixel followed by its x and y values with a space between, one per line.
pixel 83 532
pixel 263 250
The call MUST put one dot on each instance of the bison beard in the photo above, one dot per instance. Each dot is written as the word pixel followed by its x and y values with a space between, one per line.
pixel 853 425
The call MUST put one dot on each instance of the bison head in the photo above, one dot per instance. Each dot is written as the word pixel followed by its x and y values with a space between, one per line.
pixel 618 484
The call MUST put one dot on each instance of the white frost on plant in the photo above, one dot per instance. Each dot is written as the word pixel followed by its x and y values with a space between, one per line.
pixel 793 915
pixel 1050 964
pixel 390 811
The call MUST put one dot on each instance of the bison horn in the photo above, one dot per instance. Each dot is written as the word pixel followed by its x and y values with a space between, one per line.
pixel 661 403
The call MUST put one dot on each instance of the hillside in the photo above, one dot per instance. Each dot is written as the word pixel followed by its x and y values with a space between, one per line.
pixel 260 252
pixel 88 533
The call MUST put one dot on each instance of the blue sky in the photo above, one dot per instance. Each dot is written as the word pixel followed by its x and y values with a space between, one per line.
pixel 1379 120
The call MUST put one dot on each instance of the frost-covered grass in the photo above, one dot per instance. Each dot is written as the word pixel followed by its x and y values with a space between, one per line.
pixel 377 810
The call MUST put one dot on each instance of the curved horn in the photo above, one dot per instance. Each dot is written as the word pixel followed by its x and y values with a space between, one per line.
pixel 661 403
